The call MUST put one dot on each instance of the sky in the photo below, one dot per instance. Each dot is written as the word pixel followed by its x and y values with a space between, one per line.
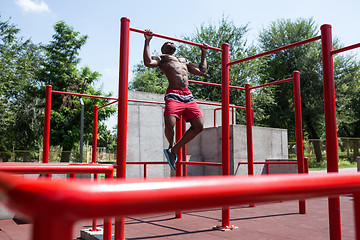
pixel 100 20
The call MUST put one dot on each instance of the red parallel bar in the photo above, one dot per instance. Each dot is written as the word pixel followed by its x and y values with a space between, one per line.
pixel 108 104
pixel 214 84
pixel 46 140
pixel 345 49
pixel 84 95
pixel 148 162
pixel 279 162
pixel 118 198
pixel 175 39
pixel 56 168
pixel 273 83
pixel 357 214
pixel 211 164
pixel 143 101
pixel 178 136
pixel 276 50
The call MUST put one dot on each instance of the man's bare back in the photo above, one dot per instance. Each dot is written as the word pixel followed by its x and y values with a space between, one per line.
pixel 176 69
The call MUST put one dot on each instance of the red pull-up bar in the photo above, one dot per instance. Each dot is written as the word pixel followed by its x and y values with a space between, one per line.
pixel 175 39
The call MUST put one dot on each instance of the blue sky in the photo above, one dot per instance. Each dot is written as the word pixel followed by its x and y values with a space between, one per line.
pixel 100 20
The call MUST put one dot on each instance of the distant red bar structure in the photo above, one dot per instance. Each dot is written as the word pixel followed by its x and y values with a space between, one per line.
pixel 83 95
pixel 276 50
pixel 333 52
pixel 272 83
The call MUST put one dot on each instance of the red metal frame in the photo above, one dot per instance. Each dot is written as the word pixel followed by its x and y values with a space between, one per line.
pixel 65 168
pixel 46 140
pixel 119 198
pixel 330 123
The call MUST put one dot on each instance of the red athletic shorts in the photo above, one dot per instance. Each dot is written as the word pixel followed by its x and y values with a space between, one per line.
pixel 180 102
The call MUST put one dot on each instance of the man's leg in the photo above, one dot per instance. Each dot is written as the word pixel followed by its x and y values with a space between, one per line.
pixel 170 122
pixel 197 125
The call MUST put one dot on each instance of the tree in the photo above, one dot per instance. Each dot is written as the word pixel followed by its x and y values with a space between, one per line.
pixel 19 61
pixel 277 111
pixel 214 34
pixel 60 69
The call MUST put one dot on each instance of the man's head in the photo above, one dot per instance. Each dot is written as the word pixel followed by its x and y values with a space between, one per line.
pixel 168 48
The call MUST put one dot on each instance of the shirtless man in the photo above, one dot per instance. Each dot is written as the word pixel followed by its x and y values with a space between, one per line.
pixel 179 101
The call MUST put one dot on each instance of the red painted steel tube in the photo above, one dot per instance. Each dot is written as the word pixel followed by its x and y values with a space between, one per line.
pixel 330 126
pixel 94 137
pixel 46 140
pixel 357 214
pixel 84 95
pixel 184 150
pixel 225 124
pixel 276 50
pixel 306 164
pixel 148 162
pixel 273 83
pixel 214 84
pixel 275 163
pixel 175 39
pixel 345 48
pixel 122 114
pixel 178 136
pixel 210 164
pixel 56 168
pixel 133 197
pixel 249 124
pixel 106 105
pixel 299 132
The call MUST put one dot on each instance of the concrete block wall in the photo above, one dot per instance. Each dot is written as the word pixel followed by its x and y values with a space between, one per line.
pixel 145 134
pixel 269 143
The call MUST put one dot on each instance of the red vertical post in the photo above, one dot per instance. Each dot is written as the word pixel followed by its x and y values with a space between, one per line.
pixel 122 114
pixel 225 99
pixel 94 149
pixel 330 126
pixel 46 140
pixel 178 135
pixel 299 132
pixel 249 133
pixel 184 150
pixel 94 137
pixel 357 214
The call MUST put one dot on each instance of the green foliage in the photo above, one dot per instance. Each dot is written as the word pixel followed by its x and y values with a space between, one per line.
pixel 19 61
pixel 59 68
pixel 278 111
pixel 148 80
pixel 225 31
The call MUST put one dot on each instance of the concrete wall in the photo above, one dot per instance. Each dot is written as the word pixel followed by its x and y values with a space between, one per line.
pixel 145 134
pixel 269 143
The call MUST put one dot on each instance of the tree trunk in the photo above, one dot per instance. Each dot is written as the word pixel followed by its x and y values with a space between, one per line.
pixel 316 144
pixel 65 154
pixel 356 149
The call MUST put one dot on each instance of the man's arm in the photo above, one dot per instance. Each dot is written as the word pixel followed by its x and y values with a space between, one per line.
pixel 149 61
pixel 201 69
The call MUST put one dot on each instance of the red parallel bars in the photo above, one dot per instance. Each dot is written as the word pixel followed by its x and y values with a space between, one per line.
pixel 118 198
pixel 330 126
